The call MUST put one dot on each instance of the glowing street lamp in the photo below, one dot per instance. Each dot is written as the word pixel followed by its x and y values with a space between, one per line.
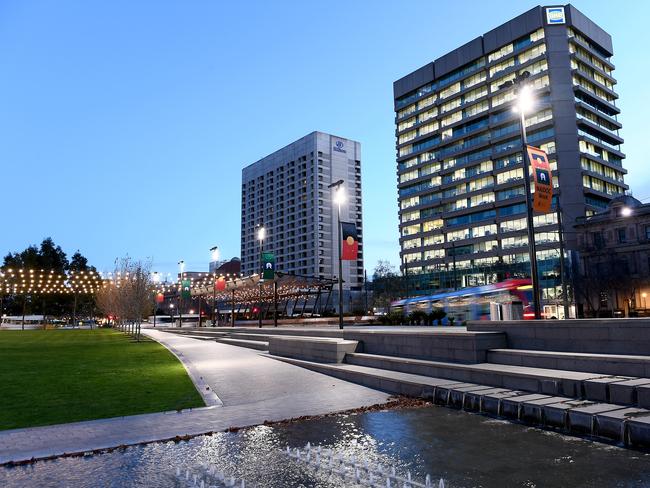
pixel 214 253
pixel 156 280
pixel 626 211
pixel 339 199
pixel 181 267
pixel 261 234
pixel 524 103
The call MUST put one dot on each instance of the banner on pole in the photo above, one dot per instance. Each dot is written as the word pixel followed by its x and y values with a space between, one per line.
pixel 186 287
pixel 350 247
pixel 220 284
pixel 160 298
pixel 542 179
pixel 268 265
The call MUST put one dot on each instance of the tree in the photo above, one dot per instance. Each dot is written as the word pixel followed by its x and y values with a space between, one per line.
pixel 127 297
pixel 46 256
pixel 386 285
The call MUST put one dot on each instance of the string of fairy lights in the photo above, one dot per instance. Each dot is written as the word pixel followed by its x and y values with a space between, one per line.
pixel 212 286
pixel 25 281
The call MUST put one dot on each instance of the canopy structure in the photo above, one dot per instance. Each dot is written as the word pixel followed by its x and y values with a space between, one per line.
pixel 286 294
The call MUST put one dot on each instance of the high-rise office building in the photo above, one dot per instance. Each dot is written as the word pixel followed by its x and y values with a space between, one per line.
pixel 462 206
pixel 287 193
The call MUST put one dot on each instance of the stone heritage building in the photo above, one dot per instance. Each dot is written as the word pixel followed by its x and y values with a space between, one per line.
pixel 462 210
pixel 613 275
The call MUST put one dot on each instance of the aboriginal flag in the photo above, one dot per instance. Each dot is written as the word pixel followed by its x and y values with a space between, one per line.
pixel 350 244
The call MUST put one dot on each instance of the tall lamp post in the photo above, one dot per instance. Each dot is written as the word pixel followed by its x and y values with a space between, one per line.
pixel 181 267
pixel 339 198
pixel 156 280
pixel 261 233
pixel 214 253
pixel 524 103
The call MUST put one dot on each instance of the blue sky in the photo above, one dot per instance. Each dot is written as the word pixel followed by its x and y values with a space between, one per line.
pixel 124 125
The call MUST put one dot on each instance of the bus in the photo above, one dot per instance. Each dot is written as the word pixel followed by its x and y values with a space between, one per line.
pixel 507 300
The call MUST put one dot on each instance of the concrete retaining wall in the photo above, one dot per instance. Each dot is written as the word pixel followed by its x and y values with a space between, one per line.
pixel 311 349
pixel 458 347
pixel 602 336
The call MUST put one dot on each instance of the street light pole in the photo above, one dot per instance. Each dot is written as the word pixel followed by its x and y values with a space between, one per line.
pixel 524 102
pixel 261 232
pixel 532 248
pixel 180 295
pixel 155 297
pixel 339 198
pixel 215 257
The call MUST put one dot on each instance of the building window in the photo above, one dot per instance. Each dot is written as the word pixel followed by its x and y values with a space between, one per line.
pixel 647 231
pixel 621 235
pixel 599 242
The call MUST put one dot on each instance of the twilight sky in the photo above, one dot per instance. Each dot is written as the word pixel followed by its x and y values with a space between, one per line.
pixel 124 125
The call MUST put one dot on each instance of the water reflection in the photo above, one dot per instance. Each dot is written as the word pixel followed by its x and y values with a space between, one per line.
pixel 467 450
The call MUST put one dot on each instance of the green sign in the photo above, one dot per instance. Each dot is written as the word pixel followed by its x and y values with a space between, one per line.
pixel 186 289
pixel 268 266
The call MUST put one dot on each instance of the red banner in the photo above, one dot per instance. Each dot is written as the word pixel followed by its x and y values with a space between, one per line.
pixel 350 247
pixel 220 284
pixel 542 178
pixel 160 297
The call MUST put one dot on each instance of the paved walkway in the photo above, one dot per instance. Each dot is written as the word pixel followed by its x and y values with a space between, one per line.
pixel 252 388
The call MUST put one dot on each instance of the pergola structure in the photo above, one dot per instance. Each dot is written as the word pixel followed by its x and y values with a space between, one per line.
pixel 273 298
pixel 26 282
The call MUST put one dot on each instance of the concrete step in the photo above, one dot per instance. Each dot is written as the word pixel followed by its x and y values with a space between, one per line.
pixel 259 345
pixel 250 337
pixel 573 384
pixel 207 333
pixel 615 364
pixel 605 421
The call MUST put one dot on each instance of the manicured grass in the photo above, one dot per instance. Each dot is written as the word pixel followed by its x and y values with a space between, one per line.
pixel 56 376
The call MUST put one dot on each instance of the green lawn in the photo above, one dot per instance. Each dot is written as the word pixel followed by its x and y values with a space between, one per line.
pixel 56 376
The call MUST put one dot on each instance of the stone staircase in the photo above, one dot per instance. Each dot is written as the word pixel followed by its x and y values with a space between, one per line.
pixel 579 392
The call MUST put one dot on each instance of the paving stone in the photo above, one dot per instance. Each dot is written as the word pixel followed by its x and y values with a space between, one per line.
pixel 613 424
pixel 533 410
pixel 474 399
pixel 624 392
pixel 458 394
pixel 582 419
pixel 556 414
pixel 638 432
pixel 643 396
pixel 598 388
pixel 491 403
pixel 510 406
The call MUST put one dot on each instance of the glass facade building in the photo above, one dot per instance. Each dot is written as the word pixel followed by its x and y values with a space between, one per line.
pixel 460 173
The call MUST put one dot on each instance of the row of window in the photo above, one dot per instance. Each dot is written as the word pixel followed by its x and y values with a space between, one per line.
pixel 488 246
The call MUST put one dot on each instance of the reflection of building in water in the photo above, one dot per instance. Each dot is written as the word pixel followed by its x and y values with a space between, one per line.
pixel 459 158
